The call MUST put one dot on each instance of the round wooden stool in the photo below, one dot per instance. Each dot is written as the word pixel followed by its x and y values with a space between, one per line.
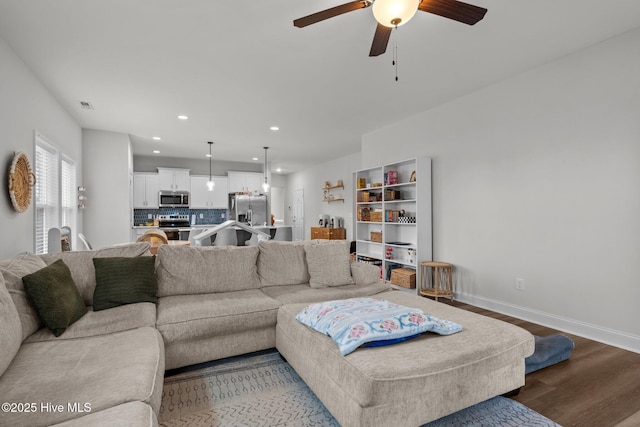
pixel 436 279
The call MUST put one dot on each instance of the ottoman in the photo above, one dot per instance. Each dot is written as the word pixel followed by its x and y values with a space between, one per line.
pixel 410 383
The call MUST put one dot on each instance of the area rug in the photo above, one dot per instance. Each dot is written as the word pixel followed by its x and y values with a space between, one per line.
pixel 262 389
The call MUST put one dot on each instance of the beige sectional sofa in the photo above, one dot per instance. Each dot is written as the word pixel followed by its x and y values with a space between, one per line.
pixel 212 302
pixel 107 368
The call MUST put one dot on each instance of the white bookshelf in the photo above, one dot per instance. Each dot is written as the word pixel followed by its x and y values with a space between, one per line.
pixel 407 242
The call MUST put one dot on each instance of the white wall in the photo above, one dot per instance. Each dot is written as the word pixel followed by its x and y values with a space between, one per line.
pixel 26 106
pixel 538 177
pixel 107 177
pixel 312 181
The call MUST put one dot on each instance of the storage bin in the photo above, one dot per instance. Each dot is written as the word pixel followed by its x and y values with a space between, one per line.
pixel 405 277
pixel 376 236
pixel 376 216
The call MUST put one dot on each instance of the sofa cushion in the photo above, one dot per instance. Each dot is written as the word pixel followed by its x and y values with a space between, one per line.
pixel 128 414
pixel 104 371
pixel 189 317
pixel 12 271
pixel 328 263
pixel 364 274
pixel 10 329
pixel 81 265
pixel 117 319
pixel 122 280
pixel 304 293
pixel 183 270
pixel 55 296
pixel 282 263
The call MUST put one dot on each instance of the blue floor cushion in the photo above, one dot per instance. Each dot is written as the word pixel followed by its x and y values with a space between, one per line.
pixel 549 351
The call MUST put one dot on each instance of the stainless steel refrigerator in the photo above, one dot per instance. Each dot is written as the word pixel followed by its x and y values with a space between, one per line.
pixel 249 209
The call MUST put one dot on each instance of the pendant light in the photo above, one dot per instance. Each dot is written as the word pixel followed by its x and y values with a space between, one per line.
pixel 265 185
pixel 210 183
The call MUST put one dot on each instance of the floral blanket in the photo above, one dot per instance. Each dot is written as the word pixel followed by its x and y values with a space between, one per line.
pixel 354 322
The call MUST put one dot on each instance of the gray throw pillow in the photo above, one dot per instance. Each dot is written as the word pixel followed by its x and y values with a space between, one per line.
pixel 55 296
pixel 328 263
pixel 124 280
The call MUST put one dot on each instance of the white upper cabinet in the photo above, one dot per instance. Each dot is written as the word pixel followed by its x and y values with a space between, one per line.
pixel 145 190
pixel 172 179
pixel 202 198
pixel 239 182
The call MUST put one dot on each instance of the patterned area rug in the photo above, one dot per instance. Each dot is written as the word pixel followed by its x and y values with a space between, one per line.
pixel 262 389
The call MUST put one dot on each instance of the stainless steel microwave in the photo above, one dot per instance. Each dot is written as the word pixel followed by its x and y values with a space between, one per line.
pixel 173 199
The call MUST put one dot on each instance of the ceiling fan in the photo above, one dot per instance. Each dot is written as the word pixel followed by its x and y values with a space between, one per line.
pixel 393 13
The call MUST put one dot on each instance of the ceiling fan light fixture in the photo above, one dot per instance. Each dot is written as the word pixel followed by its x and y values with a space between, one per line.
pixel 393 13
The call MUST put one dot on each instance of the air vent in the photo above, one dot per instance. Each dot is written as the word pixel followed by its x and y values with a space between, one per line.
pixel 86 105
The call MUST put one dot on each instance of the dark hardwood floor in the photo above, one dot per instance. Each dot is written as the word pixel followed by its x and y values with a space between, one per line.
pixel 598 386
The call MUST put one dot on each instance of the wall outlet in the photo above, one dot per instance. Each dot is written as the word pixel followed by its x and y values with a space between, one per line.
pixel 519 284
pixel 222 215
pixel 149 216
pixel 201 216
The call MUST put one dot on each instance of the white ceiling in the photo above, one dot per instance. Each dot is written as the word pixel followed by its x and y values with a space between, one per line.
pixel 238 67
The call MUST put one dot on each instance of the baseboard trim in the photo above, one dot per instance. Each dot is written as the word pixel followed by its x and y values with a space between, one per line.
pixel 601 334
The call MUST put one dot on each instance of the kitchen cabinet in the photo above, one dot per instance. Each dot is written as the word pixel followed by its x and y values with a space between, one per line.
pixel 202 198
pixel 172 179
pixel 328 233
pixel 240 182
pixel 145 190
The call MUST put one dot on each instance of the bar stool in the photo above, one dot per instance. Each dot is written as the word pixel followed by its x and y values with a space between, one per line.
pixel 436 279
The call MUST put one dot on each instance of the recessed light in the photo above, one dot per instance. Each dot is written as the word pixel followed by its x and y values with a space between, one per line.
pixel 254 158
pixel 183 117
pixel 278 170
pixel 274 128
pixel 208 155
pixel 156 151
pixel 156 138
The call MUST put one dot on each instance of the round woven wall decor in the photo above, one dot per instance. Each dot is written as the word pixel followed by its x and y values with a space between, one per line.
pixel 21 180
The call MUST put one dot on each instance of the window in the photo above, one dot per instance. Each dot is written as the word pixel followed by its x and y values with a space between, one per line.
pixel 55 192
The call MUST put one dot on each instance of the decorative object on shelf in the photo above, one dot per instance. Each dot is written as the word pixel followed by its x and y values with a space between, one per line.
pixel 265 185
pixel 210 184
pixel 412 178
pixel 327 196
pixel 21 180
pixel 82 198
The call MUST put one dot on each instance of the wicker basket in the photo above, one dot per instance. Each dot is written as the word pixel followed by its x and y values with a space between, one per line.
pixel 405 277
pixel 376 216
pixel 376 236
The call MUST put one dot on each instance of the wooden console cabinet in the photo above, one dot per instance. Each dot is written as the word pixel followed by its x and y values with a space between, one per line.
pixel 328 233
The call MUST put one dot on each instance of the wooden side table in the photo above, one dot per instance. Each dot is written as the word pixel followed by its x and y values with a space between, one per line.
pixel 436 279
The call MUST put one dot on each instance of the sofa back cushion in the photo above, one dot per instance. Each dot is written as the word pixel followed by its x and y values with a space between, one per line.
pixel 12 271
pixel 81 264
pixel 10 328
pixel 183 270
pixel 282 263
pixel 328 263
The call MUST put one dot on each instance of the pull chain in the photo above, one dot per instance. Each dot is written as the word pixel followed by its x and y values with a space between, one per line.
pixel 395 51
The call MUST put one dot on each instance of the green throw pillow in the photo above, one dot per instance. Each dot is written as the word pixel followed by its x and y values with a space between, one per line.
pixel 124 280
pixel 55 296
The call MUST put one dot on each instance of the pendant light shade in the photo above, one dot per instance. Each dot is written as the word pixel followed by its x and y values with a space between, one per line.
pixel 210 184
pixel 265 185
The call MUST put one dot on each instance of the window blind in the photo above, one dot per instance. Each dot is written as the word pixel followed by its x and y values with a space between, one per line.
pixel 47 194
pixel 68 192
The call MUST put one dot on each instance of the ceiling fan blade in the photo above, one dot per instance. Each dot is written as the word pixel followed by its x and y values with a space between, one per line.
pixel 330 13
pixel 454 9
pixel 380 40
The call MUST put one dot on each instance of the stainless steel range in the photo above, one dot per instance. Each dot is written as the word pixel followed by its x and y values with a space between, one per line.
pixel 171 225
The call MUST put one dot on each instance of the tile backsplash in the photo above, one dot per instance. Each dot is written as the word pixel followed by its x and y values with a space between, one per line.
pixel 209 216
